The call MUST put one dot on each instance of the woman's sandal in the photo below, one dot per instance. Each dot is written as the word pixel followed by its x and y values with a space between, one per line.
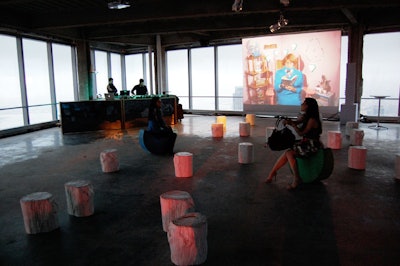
pixel 271 178
pixel 293 185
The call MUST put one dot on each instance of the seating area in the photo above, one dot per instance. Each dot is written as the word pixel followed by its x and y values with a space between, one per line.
pixel 350 218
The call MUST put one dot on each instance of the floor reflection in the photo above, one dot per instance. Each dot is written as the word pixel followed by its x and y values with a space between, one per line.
pixel 31 145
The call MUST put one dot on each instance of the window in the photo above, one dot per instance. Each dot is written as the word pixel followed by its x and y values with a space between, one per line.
pixel 37 81
pixel 150 68
pixel 9 74
pixel 178 75
pixel 134 69
pixel 380 73
pixel 63 76
pixel 343 69
pixel 116 70
pixel 203 79
pixel 101 71
pixel 230 78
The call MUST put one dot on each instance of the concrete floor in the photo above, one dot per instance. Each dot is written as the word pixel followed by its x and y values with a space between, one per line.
pixel 352 218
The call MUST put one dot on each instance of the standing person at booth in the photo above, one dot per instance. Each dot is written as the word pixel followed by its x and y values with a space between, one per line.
pixel 309 126
pixel 140 88
pixel 111 88
pixel 288 82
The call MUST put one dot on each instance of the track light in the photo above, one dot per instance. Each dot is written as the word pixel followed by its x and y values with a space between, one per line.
pixel 119 4
pixel 285 2
pixel 282 22
pixel 237 5
pixel 274 28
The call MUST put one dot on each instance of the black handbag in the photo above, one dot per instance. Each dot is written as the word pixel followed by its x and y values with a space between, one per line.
pixel 281 139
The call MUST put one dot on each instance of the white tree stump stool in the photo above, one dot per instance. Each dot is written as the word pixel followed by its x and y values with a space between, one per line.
pixel 221 119
pixel 350 126
pixel 246 153
pixel 244 129
pixel 357 156
pixel 183 163
pixel 356 137
pixel 39 210
pixel 334 140
pixel 251 118
pixel 268 132
pixel 397 166
pixel 217 130
pixel 175 204
pixel 79 196
pixel 187 237
pixel 109 161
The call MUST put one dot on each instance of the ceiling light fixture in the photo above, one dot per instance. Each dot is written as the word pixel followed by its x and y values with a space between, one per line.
pixel 119 4
pixel 237 5
pixel 282 22
pixel 285 2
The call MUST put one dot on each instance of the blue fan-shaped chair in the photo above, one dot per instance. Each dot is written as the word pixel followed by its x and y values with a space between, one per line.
pixel 156 144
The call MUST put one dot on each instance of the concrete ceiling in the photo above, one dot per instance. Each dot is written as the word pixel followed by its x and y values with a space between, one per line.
pixel 187 23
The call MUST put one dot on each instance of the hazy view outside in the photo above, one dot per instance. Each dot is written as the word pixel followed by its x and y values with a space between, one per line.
pixel 134 69
pixel 116 71
pixel 178 75
pixel 230 77
pixel 203 78
pixel 9 73
pixel 380 73
pixel 63 73
pixel 216 77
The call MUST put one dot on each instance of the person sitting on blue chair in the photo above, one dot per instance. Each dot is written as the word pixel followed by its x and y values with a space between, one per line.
pixel 309 126
pixel 158 138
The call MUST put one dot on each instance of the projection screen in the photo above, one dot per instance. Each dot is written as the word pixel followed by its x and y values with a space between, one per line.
pixel 281 70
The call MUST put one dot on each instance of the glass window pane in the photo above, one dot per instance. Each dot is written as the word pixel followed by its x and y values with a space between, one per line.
pixel 101 71
pixel 40 114
pixel 116 70
pixel 230 78
pixel 380 73
pixel 63 75
pixel 178 75
pixel 369 106
pixel 134 69
pixel 37 72
pixel 203 78
pixel 37 80
pixel 9 72
pixel 343 66
pixel 184 100
pixel 150 68
pixel 9 75
pixel 11 118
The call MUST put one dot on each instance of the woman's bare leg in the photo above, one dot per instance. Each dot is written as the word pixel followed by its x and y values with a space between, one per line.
pixel 293 166
pixel 282 160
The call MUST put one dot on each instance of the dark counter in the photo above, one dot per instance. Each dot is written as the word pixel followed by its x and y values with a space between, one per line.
pixel 112 114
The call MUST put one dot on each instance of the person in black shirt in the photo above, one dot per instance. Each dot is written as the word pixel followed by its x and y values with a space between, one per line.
pixel 140 88
pixel 111 88
pixel 162 138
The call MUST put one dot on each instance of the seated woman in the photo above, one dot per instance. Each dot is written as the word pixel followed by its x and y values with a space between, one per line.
pixel 309 126
pixel 158 138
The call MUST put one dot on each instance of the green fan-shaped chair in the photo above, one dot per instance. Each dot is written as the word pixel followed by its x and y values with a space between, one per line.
pixel 316 167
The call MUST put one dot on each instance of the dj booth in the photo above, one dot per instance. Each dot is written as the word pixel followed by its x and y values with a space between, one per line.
pixel 121 112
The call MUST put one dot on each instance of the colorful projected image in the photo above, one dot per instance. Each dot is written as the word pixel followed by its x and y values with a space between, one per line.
pixel 284 69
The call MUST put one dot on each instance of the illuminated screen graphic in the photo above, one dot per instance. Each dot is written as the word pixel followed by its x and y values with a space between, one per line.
pixel 281 70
